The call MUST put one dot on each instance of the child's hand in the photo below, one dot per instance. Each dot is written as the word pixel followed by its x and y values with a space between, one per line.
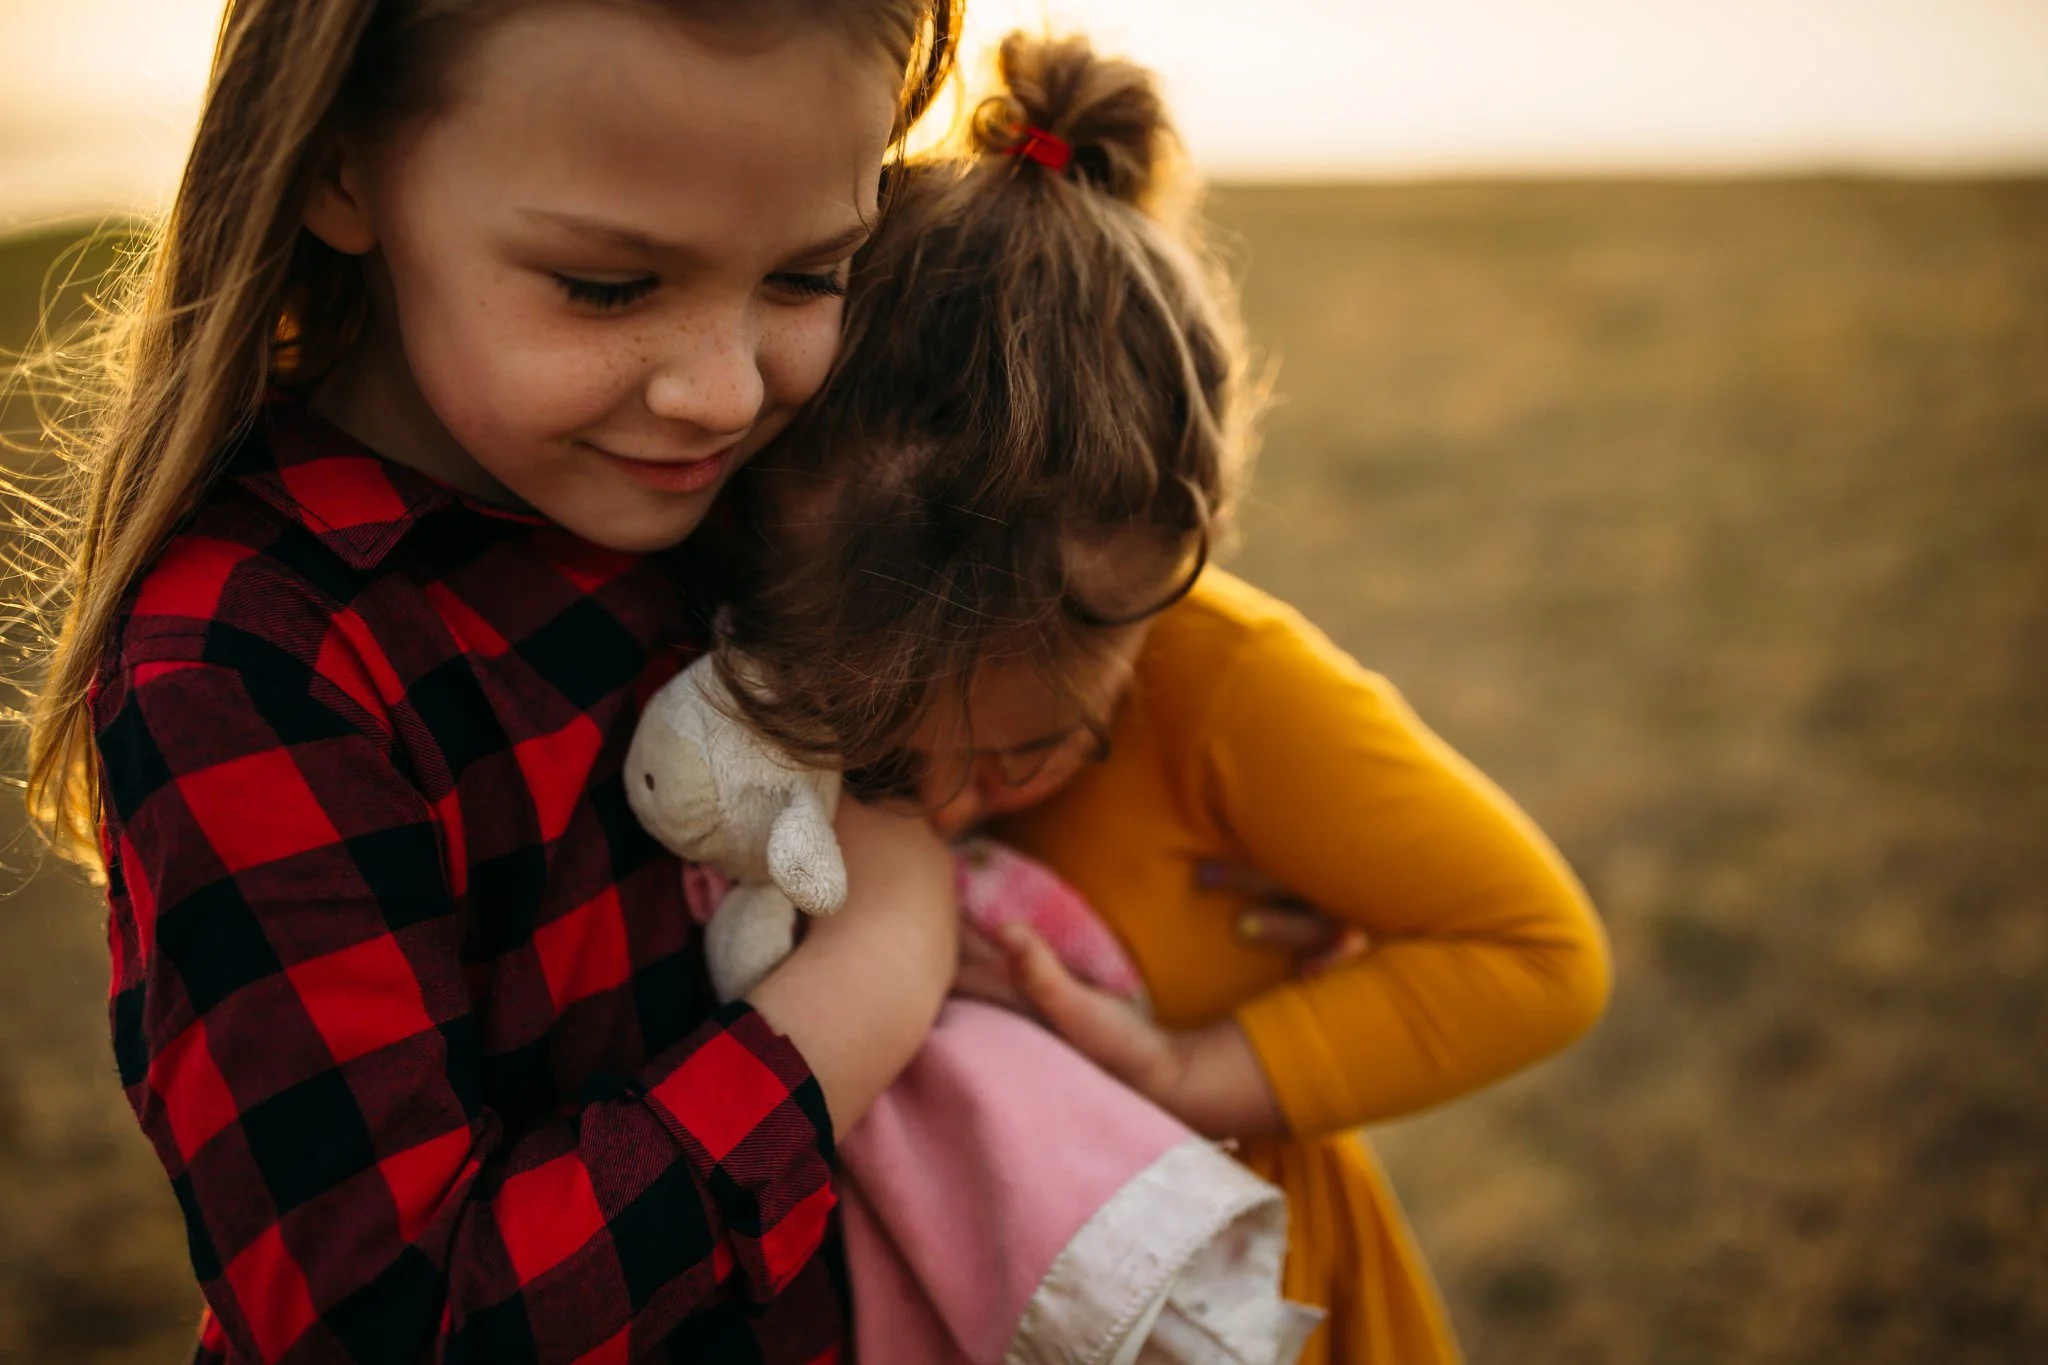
pixel 985 972
pixel 1283 921
pixel 1106 1030
pixel 1207 1078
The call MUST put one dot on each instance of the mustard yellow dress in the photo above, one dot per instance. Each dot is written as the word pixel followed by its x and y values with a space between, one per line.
pixel 1249 737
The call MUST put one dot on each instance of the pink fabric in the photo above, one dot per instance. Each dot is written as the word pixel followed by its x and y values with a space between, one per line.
pixel 998 886
pixel 971 1174
pixel 988 1155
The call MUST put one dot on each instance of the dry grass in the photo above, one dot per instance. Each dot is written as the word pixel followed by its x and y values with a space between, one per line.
pixel 92 1252
pixel 1713 521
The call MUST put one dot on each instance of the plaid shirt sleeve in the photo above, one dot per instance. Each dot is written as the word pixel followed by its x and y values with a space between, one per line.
pixel 294 1027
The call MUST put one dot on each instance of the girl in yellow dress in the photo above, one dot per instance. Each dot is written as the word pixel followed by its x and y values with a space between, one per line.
pixel 1016 626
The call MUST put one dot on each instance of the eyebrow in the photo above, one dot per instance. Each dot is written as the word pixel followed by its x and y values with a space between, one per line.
pixel 634 240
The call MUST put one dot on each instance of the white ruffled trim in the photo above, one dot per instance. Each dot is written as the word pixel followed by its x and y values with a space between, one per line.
pixel 1180 1267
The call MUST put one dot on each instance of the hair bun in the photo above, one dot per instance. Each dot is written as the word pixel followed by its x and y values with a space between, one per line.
pixel 1107 109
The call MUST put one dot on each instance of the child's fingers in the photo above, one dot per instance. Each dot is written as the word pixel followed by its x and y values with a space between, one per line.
pixel 1352 942
pixel 977 946
pixel 1291 929
pixel 985 972
pixel 1040 975
pixel 1102 1027
pixel 991 982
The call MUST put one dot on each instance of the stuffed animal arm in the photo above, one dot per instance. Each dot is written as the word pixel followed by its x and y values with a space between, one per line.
pixel 713 791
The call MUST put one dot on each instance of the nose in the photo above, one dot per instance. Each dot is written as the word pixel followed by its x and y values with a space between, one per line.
pixel 958 801
pixel 710 376
pixel 959 814
pixel 986 794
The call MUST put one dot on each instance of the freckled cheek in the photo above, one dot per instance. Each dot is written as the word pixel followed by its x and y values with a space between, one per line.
pixel 568 383
pixel 797 354
pixel 483 341
pixel 457 358
pixel 530 376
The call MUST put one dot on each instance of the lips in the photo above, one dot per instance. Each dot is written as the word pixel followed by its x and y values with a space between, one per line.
pixel 671 476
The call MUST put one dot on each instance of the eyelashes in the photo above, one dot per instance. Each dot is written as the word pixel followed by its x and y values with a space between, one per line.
pixel 605 294
pixel 610 295
pixel 811 286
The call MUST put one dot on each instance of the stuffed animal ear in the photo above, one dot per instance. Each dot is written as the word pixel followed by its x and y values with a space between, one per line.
pixel 803 855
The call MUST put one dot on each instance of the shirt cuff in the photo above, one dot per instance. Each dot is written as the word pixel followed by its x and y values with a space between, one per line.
pixel 750 1119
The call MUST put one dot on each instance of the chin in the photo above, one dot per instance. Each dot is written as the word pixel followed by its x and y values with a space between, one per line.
pixel 639 535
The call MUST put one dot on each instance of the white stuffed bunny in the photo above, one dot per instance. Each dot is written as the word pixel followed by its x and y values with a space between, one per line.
pixel 713 791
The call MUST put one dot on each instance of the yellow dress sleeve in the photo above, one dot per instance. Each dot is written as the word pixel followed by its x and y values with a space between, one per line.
pixel 1486 953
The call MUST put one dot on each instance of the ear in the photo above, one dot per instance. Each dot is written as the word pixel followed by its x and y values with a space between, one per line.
pixel 803 855
pixel 338 210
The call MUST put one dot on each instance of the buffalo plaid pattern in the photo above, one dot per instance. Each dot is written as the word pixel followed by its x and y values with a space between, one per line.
pixel 409 1006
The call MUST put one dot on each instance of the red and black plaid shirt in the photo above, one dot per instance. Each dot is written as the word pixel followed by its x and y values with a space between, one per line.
pixel 407 1002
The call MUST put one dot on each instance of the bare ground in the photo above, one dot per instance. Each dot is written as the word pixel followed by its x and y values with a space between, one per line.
pixel 1713 521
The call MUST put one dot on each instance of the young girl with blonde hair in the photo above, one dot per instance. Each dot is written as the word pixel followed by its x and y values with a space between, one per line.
pixel 463 314
pixel 986 589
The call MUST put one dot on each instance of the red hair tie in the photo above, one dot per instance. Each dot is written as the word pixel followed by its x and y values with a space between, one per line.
pixel 1049 150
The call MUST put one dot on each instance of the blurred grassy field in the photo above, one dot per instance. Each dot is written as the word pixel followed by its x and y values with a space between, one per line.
pixel 1712 520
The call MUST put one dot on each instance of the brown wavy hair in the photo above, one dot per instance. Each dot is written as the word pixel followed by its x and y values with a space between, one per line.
pixel 232 295
pixel 1039 364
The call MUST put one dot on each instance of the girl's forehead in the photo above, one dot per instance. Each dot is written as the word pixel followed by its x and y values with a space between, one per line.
pixel 623 115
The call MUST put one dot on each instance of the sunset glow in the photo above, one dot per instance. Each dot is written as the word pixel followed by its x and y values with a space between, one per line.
pixel 97 96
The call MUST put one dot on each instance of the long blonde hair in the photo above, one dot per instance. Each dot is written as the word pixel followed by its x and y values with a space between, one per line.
pixel 233 296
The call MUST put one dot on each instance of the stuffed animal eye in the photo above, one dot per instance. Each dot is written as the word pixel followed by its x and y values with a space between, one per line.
pixel 648 778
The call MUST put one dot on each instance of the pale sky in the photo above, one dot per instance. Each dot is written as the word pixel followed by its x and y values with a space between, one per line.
pixel 97 97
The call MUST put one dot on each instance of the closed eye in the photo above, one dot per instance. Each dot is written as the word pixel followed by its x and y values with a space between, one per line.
pixel 807 285
pixel 606 294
